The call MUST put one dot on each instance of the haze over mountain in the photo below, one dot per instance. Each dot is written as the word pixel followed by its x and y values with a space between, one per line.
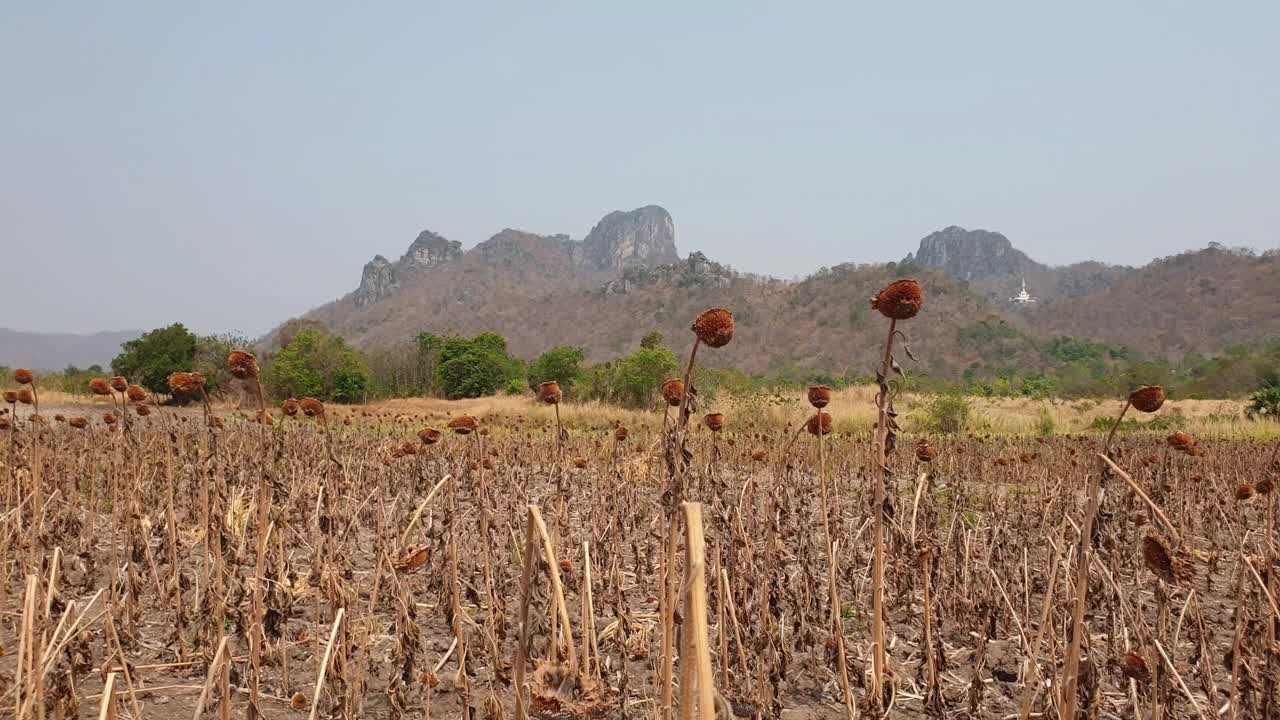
pixel 626 278
pixel 55 351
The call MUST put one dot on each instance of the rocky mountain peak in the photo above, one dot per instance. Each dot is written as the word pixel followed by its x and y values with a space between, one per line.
pixel 429 250
pixel 644 236
pixel 972 254
pixel 381 277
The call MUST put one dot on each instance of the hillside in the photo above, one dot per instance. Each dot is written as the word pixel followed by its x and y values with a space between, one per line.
pixel 1202 301
pixel 625 278
pixel 55 351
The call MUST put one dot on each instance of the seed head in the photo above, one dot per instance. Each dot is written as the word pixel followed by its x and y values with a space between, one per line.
pixel 1265 486
pixel 119 384
pixel 182 384
pixel 549 392
pixel 109 418
pixel 78 422
pixel 100 386
pixel 1182 442
pixel 136 394
pixel 1159 561
pixel 463 424
pixel 714 421
pixel 1134 667
pixel 1244 492
pixel 901 300
pixel 312 407
pixel 22 376
pixel 820 422
pixel 673 391
pixel 714 327
pixel 819 396
pixel 925 453
pixel 142 410
pixel 25 396
pixel 243 365
pixel 11 396
pixel 429 436
pixel 290 407
pixel 620 433
pixel 1147 398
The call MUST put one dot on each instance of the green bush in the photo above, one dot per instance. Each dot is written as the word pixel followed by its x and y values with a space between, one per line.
pixel 642 372
pixel 152 358
pixel 949 413
pixel 1045 424
pixel 319 365
pixel 475 367
pixel 562 365
pixel 1264 404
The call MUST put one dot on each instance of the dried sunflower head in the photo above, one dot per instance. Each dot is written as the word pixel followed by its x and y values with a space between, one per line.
pixel 901 300
pixel 549 392
pixel 673 391
pixel 463 424
pixel 242 365
pixel 1148 398
pixel 819 396
pixel 820 422
pixel 714 327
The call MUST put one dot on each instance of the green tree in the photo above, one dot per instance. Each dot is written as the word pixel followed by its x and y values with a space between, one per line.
pixel 152 358
pixel 562 364
pixel 642 372
pixel 475 367
pixel 319 365
pixel 211 354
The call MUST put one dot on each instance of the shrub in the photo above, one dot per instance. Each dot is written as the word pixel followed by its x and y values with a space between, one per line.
pixel 949 413
pixel 1045 424
pixel 315 364
pixel 152 358
pixel 641 372
pixel 475 367
pixel 562 365
pixel 1264 404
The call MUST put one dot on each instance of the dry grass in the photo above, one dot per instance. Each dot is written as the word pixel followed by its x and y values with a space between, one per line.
pixel 853 412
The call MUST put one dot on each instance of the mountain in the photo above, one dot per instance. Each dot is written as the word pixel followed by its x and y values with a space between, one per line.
pixel 1200 301
pixel 55 351
pixel 993 266
pixel 625 278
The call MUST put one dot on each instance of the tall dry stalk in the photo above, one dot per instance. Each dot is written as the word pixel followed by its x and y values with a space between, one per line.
pixel 900 300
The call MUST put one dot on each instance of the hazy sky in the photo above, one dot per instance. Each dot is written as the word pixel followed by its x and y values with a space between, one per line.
pixel 229 165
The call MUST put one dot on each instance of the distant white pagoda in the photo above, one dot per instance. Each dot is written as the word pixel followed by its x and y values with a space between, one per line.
pixel 1024 297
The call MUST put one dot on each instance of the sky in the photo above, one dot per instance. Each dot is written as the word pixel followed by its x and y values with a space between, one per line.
pixel 231 165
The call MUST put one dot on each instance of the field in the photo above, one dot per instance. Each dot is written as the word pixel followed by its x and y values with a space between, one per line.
pixel 346 564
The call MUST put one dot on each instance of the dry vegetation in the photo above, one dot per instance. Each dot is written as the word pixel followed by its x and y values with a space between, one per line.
pixel 517 557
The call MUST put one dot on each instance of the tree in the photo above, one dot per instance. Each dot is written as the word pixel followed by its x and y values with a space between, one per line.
pixel 315 364
pixel 562 364
pixel 211 357
pixel 152 358
pixel 642 372
pixel 474 367
pixel 652 340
